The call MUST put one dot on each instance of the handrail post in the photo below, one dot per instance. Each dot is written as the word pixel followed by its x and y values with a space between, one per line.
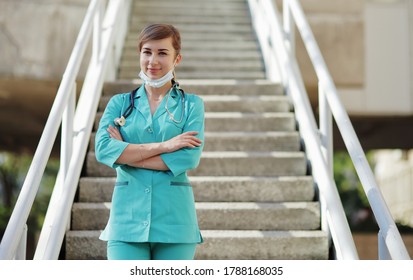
pixel 21 249
pixel 288 25
pixel 326 140
pixel 97 34
pixel 383 252
pixel 66 148
pixel 326 128
pixel 67 134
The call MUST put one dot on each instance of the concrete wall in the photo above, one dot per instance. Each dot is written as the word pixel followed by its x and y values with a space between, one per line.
pixel 394 173
pixel 338 26
pixel 37 37
pixel 368 48
pixel 389 58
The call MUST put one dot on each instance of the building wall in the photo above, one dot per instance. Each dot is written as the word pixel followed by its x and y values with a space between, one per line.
pixel 368 48
pixel 394 173
pixel 37 37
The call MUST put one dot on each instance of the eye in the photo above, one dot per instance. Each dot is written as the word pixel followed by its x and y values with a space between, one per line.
pixel 163 53
pixel 146 52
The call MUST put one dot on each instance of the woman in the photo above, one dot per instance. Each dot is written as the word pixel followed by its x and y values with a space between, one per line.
pixel 152 136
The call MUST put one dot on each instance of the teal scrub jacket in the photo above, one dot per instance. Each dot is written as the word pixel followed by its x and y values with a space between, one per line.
pixel 149 205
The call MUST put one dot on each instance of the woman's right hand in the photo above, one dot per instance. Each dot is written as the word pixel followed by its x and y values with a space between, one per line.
pixel 114 133
pixel 184 140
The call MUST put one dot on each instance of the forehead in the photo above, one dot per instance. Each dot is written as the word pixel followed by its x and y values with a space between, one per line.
pixel 165 44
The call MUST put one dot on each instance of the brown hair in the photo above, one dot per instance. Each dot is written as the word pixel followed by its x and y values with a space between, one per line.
pixel 160 31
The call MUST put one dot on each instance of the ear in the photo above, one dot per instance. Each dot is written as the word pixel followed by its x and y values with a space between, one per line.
pixel 178 59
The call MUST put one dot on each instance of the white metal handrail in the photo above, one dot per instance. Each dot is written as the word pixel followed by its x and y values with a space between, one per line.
pixel 279 43
pixel 76 130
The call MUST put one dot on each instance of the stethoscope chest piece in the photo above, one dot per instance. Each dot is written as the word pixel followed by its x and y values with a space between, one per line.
pixel 120 121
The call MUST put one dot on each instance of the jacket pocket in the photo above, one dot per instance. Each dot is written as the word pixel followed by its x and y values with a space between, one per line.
pixel 181 184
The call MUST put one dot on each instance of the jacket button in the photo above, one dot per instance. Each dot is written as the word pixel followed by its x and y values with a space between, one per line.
pixel 150 129
pixel 147 190
pixel 145 224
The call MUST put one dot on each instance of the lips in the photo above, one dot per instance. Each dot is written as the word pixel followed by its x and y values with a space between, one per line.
pixel 153 70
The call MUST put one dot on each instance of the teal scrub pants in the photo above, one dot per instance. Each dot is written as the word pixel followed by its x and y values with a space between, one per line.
pixel 119 250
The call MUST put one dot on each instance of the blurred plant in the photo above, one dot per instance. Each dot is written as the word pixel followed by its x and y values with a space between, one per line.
pixel 13 170
pixel 355 202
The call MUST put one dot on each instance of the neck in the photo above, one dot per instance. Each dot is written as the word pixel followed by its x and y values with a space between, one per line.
pixel 157 94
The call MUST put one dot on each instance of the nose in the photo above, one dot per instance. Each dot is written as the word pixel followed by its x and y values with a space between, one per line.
pixel 153 60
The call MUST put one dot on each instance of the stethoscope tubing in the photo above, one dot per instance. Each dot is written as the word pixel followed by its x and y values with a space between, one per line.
pixel 122 119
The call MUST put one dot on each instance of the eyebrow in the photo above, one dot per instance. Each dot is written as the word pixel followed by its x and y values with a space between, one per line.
pixel 159 50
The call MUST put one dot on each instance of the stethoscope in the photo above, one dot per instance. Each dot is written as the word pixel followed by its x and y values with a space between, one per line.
pixel 121 121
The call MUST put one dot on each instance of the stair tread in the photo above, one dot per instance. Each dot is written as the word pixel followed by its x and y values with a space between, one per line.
pixel 206 86
pixel 226 233
pixel 215 205
pixel 243 154
pixel 220 245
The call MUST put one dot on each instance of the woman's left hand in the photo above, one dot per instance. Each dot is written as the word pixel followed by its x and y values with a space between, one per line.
pixel 114 133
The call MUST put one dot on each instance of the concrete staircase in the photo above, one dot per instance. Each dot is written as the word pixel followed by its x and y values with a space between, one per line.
pixel 254 196
pixel 218 41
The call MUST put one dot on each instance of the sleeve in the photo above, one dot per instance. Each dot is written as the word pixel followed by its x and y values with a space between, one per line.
pixel 188 158
pixel 107 149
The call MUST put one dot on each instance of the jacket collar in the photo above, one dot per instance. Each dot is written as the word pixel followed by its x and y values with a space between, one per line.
pixel 144 108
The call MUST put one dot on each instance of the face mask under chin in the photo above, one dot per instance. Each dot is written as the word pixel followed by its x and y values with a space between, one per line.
pixel 157 83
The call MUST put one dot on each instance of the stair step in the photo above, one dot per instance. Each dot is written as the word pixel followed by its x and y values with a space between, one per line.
pixel 246 104
pixel 234 103
pixel 208 27
pixel 211 55
pixel 218 189
pixel 220 215
pixel 232 121
pixel 207 37
pixel 142 18
pixel 203 64
pixel 207 87
pixel 251 164
pixel 258 215
pixel 276 141
pixel 222 245
pixel 260 245
pixel 202 74
pixel 188 8
pixel 132 41
pixel 229 164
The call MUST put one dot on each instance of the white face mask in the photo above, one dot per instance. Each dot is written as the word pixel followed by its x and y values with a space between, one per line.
pixel 158 82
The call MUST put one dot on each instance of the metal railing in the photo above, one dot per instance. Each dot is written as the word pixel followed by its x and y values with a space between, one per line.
pixel 109 26
pixel 277 39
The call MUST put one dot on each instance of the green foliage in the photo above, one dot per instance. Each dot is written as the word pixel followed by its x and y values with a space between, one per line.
pixel 13 170
pixel 353 197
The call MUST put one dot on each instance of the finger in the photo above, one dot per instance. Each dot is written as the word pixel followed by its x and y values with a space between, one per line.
pixel 197 140
pixel 190 133
pixel 194 143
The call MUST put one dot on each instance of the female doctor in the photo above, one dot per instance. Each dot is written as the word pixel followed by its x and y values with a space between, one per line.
pixel 152 136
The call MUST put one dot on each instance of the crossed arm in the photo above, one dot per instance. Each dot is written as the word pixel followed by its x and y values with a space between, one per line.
pixel 148 155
